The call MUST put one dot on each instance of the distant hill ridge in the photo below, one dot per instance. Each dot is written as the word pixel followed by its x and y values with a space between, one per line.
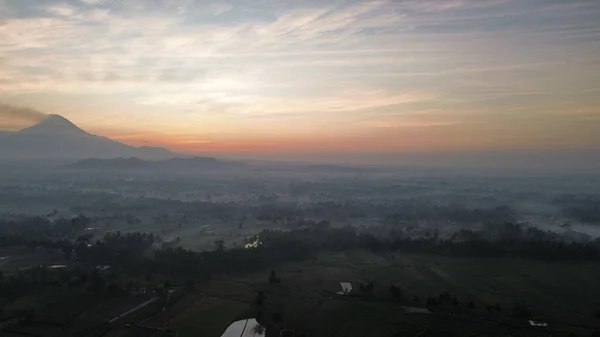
pixel 193 163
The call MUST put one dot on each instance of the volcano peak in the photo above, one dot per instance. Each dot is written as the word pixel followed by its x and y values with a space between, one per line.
pixel 54 124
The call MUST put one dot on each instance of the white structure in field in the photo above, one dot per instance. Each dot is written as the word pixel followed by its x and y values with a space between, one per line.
pixel 346 288
pixel 538 324
pixel 415 310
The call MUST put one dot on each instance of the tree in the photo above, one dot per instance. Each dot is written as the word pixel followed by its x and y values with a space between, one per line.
pixel 273 278
pixel 258 330
pixel 367 288
pixel 396 291
pixel 28 315
pixel 97 283
pixel 113 289
pixel 260 299
pixel 522 312
pixel 471 305
pixel 190 285
pixel 219 246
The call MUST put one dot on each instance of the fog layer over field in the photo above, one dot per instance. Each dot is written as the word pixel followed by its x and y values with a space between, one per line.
pixel 193 202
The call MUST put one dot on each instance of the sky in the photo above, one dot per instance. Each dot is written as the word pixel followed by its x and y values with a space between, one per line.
pixel 286 78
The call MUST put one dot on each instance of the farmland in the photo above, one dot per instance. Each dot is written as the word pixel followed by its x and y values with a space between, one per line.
pixel 465 295
pixel 305 302
pixel 482 257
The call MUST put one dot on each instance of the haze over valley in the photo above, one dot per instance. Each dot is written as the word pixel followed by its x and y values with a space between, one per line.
pixel 299 168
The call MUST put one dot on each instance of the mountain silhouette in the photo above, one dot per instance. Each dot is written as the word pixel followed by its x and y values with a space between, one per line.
pixel 55 137
pixel 54 125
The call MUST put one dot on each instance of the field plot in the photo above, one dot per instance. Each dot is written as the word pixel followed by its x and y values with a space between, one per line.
pixel 19 258
pixel 562 291
pixel 69 312
pixel 239 290
pixel 354 318
pixel 558 293
pixel 118 333
pixel 198 315
pixel 304 299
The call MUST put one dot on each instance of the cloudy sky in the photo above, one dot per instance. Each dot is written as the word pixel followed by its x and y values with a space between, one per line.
pixel 296 78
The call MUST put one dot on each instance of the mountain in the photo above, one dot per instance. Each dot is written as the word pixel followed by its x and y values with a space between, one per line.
pixel 324 168
pixel 56 137
pixel 175 164
pixel 111 164
pixel 54 125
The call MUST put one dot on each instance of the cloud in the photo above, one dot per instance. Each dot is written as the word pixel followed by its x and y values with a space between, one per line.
pixel 12 111
pixel 15 117
pixel 252 105
pixel 5 9
pixel 318 62
pixel 66 11
pixel 162 38
pixel 409 123
pixel 219 8
pixel 449 5
pixel 37 33
pixel 329 24
pixel 96 2
pixel 61 10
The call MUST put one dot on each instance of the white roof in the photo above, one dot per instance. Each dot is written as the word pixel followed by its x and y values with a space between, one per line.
pixel 416 310
pixel 346 288
pixel 540 324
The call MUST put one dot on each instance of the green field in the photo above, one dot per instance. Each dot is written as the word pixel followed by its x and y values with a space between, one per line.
pixel 14 259
pixel 560 291
pixel 197 315
pixel 565 294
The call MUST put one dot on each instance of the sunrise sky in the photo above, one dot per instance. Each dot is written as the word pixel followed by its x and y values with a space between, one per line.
pixel 289 77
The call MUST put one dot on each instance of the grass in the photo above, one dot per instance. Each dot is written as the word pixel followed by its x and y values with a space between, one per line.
pixel 354 318
pixel 555 291
pixel 207 316
pixel 563 292
pixel 238 290
pixel 559 291
pixel 14 259
pixel 117 333
pixel 38 330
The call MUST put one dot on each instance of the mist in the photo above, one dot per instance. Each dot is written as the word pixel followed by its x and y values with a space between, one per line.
pixel 303 169
pixel 16 117
pixel 527 162
pixel 150 230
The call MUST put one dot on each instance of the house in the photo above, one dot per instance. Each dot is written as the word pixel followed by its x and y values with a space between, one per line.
pixel 416 310
pixel 538 324
pixel 102 267
pixel 346 288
